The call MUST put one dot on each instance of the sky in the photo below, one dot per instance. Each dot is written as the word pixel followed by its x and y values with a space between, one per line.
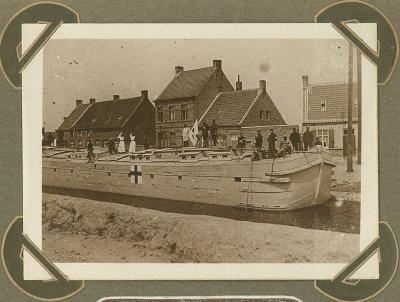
pixel 83 69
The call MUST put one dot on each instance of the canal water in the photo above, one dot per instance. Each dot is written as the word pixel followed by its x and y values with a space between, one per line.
pixel 338 216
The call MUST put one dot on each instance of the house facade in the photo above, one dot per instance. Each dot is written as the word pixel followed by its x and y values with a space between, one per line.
pixel 325 111
pixel 100 121
pixel 242 111
pixel 185 99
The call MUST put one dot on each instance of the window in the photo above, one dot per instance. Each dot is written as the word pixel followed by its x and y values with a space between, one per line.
pixel 261 115
pixel 323 105
pixel 184 112
pixel 171 113
pixel 323 136
pixel 160 114
pixel 267 115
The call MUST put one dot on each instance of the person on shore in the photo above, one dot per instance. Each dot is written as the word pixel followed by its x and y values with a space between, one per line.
pixel 241 141
pixel 285 147
pixel 213 130
pixel 204 133
pixel 132 144
pixel 318 142
pixel 272 138
pixel 308 138
pixel 121 143
pixel 185 135
pixel 90 154
pixel 294 138
pixel 259 141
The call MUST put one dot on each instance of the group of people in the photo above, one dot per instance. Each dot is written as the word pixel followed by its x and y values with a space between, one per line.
pixel 115 146
pixel 286 146
pixel 205 131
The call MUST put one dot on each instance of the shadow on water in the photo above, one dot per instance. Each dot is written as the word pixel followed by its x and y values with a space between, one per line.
pixel 333 215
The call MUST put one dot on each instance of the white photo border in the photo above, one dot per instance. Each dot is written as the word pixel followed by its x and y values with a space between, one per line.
pixel 32 93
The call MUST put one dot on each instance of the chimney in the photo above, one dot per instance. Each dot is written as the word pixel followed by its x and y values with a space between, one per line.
pixel 92 101
pixel 305 81
pixel 145 94
pixel 65 118
pixel 217 64
pixel 115 97
pixel 238 84
pixel 178 69
pixel 263 86
pixel 78 102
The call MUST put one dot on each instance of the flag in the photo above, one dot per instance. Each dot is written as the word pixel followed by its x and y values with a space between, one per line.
pixel 136 174
pixel 193 133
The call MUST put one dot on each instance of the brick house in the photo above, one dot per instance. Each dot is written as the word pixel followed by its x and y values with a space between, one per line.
pixel 246 110
pixel 100 121
pixel 325 112
pixel 185 99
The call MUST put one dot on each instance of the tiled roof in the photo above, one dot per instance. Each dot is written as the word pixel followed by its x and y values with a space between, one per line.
pixel 187 83
pixel 108 114
pixel 229 108
pixel 73 117
pixel 334 98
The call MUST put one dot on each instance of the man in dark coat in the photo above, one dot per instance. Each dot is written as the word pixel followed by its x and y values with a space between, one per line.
pixel 90 154
pixel 213 130
pixel 308 139
pixel 204 133
pixel 294 138
pixel 272 138
pixel 242 141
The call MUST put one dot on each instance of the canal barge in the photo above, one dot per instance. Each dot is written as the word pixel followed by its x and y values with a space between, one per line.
pixel 201 175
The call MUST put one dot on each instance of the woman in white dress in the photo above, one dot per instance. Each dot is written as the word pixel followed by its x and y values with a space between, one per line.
pixel 121 144
pixel 132 145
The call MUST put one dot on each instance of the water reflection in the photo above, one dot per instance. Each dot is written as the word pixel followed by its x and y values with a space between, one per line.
pixel 339 216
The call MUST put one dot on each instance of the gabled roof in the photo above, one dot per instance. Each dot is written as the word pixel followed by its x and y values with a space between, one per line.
pixel 187 84
pixel 74 117
pixel 108 114
pixel 230 108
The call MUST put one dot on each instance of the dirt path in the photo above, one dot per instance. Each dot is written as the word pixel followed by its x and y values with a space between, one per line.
pixel 81 230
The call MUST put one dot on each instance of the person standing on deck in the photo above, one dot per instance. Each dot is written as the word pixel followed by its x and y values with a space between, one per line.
pixel 132 144
pixel 242 141
pixel 111 146
pixel 146 140
pixel 204 133
pixel 213 130
pixel 308 138
pixel 90 154
pixel 272 138
pixel 50 139
pixel 121 143
pixel 294 138
pixel 259 140
pixel 185 135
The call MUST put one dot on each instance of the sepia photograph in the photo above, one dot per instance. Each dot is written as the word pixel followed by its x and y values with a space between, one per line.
pixel 200 151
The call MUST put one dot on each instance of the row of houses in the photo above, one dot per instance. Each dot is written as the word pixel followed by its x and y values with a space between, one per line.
pixel 206 94
pixel 203 94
